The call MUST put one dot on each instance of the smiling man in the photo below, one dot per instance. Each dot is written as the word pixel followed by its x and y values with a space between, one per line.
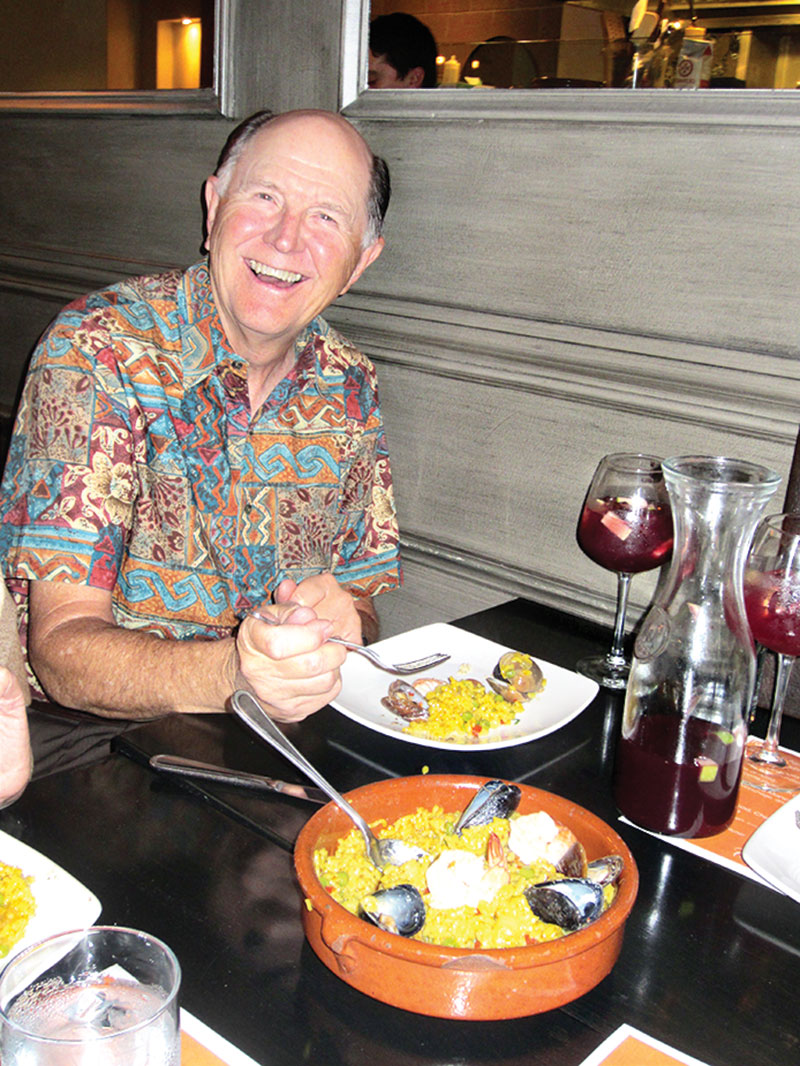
pixel 197 446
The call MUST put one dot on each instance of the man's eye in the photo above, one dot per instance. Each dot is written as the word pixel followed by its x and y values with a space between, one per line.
pixel 264 196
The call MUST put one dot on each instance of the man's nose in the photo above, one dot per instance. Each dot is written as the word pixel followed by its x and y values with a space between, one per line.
pixel 286 234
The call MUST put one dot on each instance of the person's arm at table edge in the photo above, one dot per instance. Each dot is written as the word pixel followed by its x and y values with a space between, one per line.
pixel 16 759
pixel 85 661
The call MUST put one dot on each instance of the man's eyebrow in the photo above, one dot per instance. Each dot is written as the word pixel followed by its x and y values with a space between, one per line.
pixel 333 206
pixel 260 183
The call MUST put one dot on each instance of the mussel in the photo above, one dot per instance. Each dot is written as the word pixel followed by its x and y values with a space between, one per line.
pixel 516 677
pixel 495 799
pixel 406 701
pixel 571 903
pixel 399 910
pixel 605 871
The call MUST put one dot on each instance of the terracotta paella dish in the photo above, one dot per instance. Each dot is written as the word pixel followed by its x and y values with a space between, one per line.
pixel 500 864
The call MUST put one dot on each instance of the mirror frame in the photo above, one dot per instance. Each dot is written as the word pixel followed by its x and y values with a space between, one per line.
pixel 718 107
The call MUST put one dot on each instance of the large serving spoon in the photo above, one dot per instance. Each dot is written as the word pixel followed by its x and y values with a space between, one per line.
pixel 381 852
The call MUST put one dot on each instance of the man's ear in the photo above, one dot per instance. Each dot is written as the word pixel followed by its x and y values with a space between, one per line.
pixel 415 78
pixel 212 203
pixel 368 256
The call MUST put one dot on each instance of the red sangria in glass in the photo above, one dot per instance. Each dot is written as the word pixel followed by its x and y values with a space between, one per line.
pixel 625 526
pixel 772 603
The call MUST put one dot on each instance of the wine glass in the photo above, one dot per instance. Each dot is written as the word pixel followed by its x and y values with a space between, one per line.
pixel 772 603
pixel 625 526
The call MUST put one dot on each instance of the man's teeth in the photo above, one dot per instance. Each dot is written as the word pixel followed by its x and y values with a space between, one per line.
pixel 272 272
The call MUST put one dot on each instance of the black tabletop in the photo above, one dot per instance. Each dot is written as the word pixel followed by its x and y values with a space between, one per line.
pixel 710 961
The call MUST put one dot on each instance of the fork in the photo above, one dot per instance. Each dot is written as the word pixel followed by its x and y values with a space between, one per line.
pixel 412 667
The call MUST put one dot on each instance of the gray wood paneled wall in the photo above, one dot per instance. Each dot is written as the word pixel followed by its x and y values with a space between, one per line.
pixel 567 274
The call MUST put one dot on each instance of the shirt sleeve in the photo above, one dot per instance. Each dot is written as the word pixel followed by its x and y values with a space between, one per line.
pixel 69 483
pixel 366 557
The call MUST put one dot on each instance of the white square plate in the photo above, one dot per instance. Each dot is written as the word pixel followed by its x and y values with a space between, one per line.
pixel 62 902
pixel 565 694
pixel 773 851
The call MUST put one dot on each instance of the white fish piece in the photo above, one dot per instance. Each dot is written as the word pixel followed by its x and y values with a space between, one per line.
pixel 459 878
pixel 537 836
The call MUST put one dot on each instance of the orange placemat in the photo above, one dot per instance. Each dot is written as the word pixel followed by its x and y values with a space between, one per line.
pixel 630 1047
pixel 754 805
pixel 201 1046
pixel 194 1054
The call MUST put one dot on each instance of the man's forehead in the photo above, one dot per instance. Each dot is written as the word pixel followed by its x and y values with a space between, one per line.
pixel 325 156
pixel 314 136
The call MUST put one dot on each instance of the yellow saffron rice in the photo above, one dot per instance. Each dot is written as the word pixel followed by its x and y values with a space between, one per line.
pixel 463 710
pixel 17 906
pixel 505 921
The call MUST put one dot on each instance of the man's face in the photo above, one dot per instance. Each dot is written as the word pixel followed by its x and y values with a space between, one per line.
pixel 382 75
pixel 285 235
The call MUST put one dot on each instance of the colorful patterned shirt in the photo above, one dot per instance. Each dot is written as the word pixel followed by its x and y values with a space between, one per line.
pixel 137 466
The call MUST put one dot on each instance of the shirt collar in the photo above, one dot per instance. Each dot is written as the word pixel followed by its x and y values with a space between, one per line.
pixel 205 345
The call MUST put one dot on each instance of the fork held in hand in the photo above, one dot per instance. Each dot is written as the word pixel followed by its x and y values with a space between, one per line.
pixel 412 667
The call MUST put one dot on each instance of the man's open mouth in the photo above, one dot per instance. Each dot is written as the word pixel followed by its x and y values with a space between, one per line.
pixel 288 277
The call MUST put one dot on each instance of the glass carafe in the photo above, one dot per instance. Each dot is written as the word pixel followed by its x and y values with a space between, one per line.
pixel 684 725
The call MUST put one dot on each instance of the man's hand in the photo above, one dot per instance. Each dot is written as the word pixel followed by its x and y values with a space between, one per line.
pixel 329 600
pixel 15 752
pixel 287 661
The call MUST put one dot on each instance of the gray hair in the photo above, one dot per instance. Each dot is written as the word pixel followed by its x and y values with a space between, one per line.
pixel 380 186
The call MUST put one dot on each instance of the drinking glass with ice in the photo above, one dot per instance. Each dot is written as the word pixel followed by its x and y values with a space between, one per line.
pixel 106 995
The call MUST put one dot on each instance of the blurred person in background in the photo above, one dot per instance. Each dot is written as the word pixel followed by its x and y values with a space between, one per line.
pixel 402 53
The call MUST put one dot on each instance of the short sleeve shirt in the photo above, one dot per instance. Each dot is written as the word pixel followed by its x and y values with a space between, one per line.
pixel 137 466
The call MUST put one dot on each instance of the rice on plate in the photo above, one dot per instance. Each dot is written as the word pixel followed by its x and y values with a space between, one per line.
pixel 17 906
pixel 461 708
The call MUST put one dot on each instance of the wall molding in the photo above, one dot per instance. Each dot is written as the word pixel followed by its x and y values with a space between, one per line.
pixel 61 274
pixel 669 376
pixel 746 393
pixel 481 571
pixel 113 104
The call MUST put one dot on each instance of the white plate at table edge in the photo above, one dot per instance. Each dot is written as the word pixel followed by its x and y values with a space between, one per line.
pixel 773 850
pixel 62 902
pixel 566 693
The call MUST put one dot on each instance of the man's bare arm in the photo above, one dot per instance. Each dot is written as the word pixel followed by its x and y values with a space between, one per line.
pixel 85 661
